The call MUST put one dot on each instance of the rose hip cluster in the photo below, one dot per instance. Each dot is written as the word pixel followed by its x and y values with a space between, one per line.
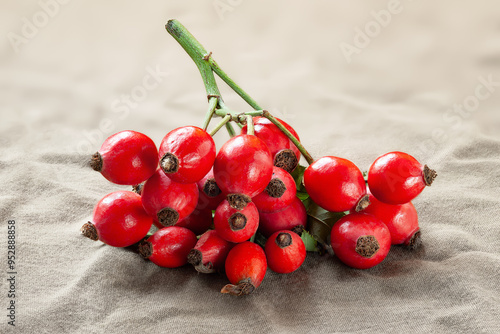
pixel 206 206
pixel 377 216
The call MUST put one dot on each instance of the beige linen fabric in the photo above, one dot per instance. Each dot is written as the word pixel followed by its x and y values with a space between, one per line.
pixel 353 81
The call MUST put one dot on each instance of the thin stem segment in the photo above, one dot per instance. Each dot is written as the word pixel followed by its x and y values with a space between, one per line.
pixel 230 130
pixel 250 128
pixel 297 143
pixel 230 82
pixel 220 125
pixel 212 105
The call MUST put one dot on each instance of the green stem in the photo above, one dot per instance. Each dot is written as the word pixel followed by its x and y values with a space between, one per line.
pixel 196 51
pixel 297 143
pixel 232 84
pixel 212 105
pixel 220 125
pixel 250 128
pixel 230 130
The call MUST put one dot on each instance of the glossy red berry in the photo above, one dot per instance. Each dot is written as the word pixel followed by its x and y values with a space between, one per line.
pixel 243 168
pixel 118 220
pixel 278 194
pixel 236 225
pixel 397 178
pixel 187 154
pixel 284 152
pixel 127 157
pixel 168 201
pixel 285 251
pixel 168 247
pixel 402 221
pixel 360 240
pixel 246 267
pixel 289 218
pixel 210 194
pixel 210 253
pixel 199 221
pixel 336 184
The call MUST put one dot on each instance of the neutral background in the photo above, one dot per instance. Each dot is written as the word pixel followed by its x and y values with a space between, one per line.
pixel 62 86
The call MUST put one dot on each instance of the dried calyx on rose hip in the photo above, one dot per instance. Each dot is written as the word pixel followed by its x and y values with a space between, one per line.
pixel 278 194
pixel 402 221
pixel 336 184
pixel 127 158
pixel 242 169
pixel 246 267
pixel 397 178
pixel 168 247
pixel 118 220
pixel 360 240
pixel 210 253
pixel 210 194
pixel 187 154
pixel 284 152
pixel 236 225
pixel 285 251
pixel 168 201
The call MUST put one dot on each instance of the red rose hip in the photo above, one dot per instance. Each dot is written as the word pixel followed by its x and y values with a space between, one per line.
pixel 187 154
pixel 168 247
pixel 290 218
pixel 243 168
pixel 397 178
pixel 402 221
pixel 336 184
pixel 278 194
pixel 168 201
pixel 127 157
pixel 210 253
pixel 360 240
pixel 236 225
pixel 284 152
pixel 119 220
pixel 285 251
pixel 246 267
pixel 210 194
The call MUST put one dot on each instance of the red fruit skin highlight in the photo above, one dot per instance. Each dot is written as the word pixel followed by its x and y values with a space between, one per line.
pixel 274 138
pixel 335 184
pixel 397 178
pixel 285 251
pixel 236 225
pixel 127 158
pixel 160 192
pixel 246 267
pixel 194 149
pixel 402 220
pixel 293 215
pixel 243 166
pixel 210 252
pixel 169 246
pixel 265 202
pixel 120 219
pixel 349 232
